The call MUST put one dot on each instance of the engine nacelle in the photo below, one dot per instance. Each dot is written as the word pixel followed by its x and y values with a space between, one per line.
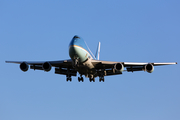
pixel 119 67
pixel 24 66
pixel 149 68
pixel 46 66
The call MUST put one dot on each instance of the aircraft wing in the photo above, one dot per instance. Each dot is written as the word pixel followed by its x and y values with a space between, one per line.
pixel 130 66
pixel 108 64
pixel 58 63
pixel 64 67
pixel 141 64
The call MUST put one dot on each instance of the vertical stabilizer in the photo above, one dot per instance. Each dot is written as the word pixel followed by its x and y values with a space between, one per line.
pixel 98 51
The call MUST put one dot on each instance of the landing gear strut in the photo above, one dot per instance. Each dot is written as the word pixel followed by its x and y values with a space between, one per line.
pixel 101 76
pixel 76 63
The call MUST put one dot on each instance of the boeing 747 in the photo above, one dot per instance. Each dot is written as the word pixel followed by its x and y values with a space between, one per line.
pixel 85 63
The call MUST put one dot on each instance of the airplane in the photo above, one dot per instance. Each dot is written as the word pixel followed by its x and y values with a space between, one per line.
pixel 85 63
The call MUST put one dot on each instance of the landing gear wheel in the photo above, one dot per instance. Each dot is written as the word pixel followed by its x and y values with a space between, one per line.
pixel 101 79
pixel 91 79
pixel 68 79
pixel 80 79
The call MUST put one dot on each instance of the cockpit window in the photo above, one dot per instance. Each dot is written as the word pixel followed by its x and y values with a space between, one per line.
pixel 76 37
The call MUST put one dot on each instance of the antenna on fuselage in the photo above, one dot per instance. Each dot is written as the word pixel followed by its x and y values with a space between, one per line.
pixel 98 51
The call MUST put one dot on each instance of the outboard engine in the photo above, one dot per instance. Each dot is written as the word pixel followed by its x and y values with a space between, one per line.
pixel 149 68
pixel 119 67
pixel 46 66
pixel 24 66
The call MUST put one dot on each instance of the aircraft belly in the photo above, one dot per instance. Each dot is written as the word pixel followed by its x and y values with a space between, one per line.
pixel 88 64
pixel 86 68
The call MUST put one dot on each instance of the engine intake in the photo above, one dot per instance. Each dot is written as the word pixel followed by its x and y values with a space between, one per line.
pixel 149 68
pixel 46 66
pixel 24 66
pixel 119 67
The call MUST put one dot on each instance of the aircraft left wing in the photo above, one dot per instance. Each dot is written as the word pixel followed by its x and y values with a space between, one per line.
pixel 61 66
pixel 113 68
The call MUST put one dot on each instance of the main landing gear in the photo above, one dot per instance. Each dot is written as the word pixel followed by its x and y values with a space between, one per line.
pixel 68 78
pixel 91 79
pixel 101 76
pixel 80 78
pixel 101 79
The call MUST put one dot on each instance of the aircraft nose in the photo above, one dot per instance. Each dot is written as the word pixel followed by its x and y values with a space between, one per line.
pixel 75 40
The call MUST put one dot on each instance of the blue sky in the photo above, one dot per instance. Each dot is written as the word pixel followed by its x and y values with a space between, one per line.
pixel 131 31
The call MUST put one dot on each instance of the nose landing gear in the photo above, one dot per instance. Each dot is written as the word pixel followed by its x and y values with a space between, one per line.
pixel 76 63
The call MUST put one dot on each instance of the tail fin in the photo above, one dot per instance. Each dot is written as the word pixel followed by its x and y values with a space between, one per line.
pixel 98 51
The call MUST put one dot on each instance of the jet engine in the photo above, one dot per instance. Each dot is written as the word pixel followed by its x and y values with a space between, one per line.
pixel 46 66
pixel 119 67
pixel 24 66
pixel 149 68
